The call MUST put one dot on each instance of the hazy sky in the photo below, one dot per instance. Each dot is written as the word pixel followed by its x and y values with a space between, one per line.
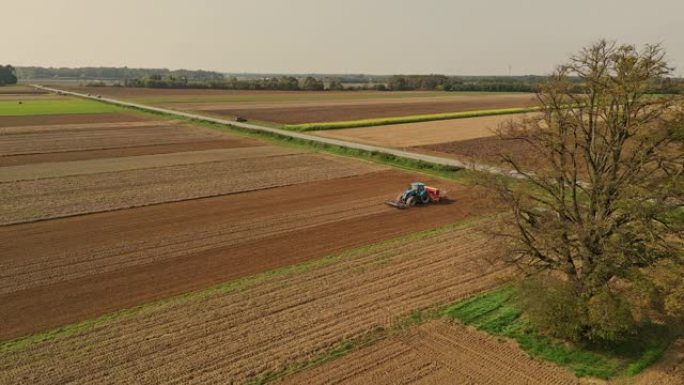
pixel 468 37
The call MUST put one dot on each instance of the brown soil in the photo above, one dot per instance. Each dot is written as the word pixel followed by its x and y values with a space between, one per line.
pixel 17 160
pixel 438 353
pixel 35 120
pixel 159 92
pixel 142 162
pixel 489 150
pixel 294 115
pixel 33 141
pixel 49 303
pixel 19 89
pixel 420 134
pixel 239 335
pixel 244 169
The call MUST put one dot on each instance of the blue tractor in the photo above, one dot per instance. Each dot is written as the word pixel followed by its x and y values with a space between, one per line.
pixel 417 193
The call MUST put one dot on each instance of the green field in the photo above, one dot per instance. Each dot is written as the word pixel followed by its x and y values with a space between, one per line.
pixel 405 119
pixel 54 107
pixel 497 313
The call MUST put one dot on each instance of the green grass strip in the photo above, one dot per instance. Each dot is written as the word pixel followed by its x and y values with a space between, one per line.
pixel 497 313
pixel 54 107
pixel 224 288
pixel 405 119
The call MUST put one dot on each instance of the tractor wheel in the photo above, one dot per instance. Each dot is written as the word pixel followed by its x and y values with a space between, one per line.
pixel 425 199
pixel 411 201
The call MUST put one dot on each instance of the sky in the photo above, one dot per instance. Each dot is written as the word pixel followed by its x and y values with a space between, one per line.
pixel 454 37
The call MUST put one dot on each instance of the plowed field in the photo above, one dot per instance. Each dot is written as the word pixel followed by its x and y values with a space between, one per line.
pixel 341 112
pixel 37 120
pixel 242 170
pixel 240 334
pixel 489 151
pixel 71 269
pixel 20 141
pixel 438 353
pixel 421 134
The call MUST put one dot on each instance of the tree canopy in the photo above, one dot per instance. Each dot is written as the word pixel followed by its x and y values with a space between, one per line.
pixel 7 75
pixel 599 232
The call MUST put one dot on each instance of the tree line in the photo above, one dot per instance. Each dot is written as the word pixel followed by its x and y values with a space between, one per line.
pixel 112 73
pixel 7 75
pixel 530 83
pixel 281 83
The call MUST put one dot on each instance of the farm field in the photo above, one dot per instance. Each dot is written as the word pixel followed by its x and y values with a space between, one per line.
pixel 132 208
pixel 296 107
pixel 438 353
pixel 441 352
pixel 242 331
pixel 421 134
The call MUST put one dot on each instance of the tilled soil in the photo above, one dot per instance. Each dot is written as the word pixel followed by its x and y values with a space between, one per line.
pixel 438 353
pixel 70 156
pixel 332 113
pixel 62 271
pixel 96 138
pixel 141 162
pixel 489 151
pixel 239 335
pixel 36 120
pixel 258 168
pixel 421 134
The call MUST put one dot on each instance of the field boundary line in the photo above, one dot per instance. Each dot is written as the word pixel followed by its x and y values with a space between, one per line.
pixel 430 159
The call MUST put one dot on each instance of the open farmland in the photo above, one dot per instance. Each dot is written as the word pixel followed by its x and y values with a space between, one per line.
pixel 294 107
pixel 96 225
pixel 241 331
pixel 421 134
pixel 438 353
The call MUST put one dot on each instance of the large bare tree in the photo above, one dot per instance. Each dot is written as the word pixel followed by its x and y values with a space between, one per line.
pixel 605 209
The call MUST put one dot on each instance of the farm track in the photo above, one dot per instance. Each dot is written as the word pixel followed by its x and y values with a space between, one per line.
pixel 157 262
pixel 34 200
pixel 239 335
pixel 438 353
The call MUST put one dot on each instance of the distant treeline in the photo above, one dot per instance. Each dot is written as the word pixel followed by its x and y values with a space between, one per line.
pixel 7 75
pixel 500 83
pixel 282 83
pixel 112 73
pixel 164 78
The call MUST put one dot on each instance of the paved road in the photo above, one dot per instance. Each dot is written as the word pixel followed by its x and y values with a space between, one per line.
pixel 342 143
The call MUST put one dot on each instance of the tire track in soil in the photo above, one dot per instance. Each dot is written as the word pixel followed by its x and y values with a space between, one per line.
pixel 450 352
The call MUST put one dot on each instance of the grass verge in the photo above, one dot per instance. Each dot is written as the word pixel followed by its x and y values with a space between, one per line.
pixel 54 107
pixel 224 288
pixel 404 119
pixel 497 313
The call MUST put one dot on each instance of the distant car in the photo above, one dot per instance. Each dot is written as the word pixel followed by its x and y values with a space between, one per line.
pixel 240 119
